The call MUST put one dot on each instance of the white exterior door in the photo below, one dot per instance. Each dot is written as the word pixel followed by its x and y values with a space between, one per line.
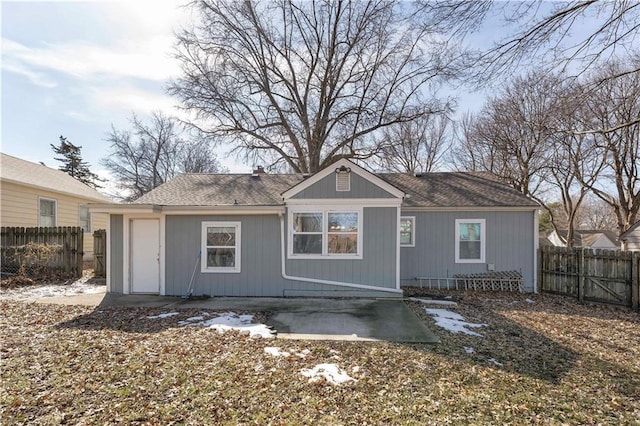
pixel 145 256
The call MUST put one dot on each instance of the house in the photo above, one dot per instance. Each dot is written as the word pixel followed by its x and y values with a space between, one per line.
pixel 33 195
pixel 343 231
pixel 595 239
pixel 631 237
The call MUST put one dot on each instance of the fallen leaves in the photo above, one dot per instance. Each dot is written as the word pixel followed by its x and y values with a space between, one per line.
pixel 561 363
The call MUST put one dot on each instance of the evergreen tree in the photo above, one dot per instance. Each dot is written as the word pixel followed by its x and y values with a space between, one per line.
pixel 73 165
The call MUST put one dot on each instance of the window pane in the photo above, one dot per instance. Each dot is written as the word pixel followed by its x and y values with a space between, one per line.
pixel 469 232
pixel 47 208
pixel 406 231
pixel 405 238
pixel 307 244
pixel 343 222
pixel 221 236
pixel 85 218
pixel 470 249
pixel 221 257
pixel 47 221
pixel 307 222
pixel 340 243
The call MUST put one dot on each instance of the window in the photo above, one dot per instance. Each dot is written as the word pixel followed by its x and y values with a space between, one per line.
pixel 307 233
pixel 342 234
pixel 470 240
pixel 321 233
pixel 407 231
pixel 47 212
pixel 220 247
pixel 84 216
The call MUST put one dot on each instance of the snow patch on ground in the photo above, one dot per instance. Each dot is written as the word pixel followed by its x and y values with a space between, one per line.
pixel 329 372
pixel 38 291
pixel 453 322
pixel 469 349
pixel 276 351
pixel 232 321
pixel 493 360
pixel 163 315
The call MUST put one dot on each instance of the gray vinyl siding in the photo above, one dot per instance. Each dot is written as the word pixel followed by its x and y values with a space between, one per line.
pixel 378 264
pixel 509 245
pixel 116 253
pixel 360 188
pixel 260 274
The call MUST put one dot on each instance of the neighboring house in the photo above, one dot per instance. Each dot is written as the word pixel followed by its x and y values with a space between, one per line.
pixel 631 237
pixel 343 231
pixel 595 239
pixel 35 195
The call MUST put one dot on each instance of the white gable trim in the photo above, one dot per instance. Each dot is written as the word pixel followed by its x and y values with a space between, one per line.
pixel 331 169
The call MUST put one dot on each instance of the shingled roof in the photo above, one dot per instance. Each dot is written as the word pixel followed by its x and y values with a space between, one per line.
pixel 428 190
pixel 194 189
pixel 17 170
pixel 456 189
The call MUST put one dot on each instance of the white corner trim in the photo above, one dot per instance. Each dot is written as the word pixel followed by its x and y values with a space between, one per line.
pixel 365 174
pixel 398 249
pixel 108 253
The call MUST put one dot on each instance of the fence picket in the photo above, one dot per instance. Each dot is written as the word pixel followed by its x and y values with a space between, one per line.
pixel 70 238
pixel 605 276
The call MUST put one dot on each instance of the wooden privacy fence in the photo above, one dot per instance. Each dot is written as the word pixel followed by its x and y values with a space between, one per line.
pixel 604 276
pixel 63 244
pixel 100 253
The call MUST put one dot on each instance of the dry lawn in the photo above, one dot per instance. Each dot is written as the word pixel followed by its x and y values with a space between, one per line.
pixel 561 363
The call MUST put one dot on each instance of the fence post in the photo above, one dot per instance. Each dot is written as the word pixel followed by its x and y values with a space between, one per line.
pixel 539 266
pixel 581 277
pixel 66 241
pixel 635 280
pixel 80 251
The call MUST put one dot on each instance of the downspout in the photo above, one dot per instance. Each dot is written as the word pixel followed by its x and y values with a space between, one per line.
pixel 319 281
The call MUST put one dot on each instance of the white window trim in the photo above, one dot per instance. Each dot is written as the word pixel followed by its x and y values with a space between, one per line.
pixel 413 230
pixel 325 232
pixel 203 252
pixel 483 241
pixel 55 210
pixel 90 217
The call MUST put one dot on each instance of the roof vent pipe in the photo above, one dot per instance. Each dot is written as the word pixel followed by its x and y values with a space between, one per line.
pixel 259 170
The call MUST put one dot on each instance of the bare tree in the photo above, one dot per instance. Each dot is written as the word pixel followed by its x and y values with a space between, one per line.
pixel 415 146
pixel 597 214
pixel 510 137
pixel 615 102
pixel 558 36
pixel 524 136
pixel 150 154
pixel 303 83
